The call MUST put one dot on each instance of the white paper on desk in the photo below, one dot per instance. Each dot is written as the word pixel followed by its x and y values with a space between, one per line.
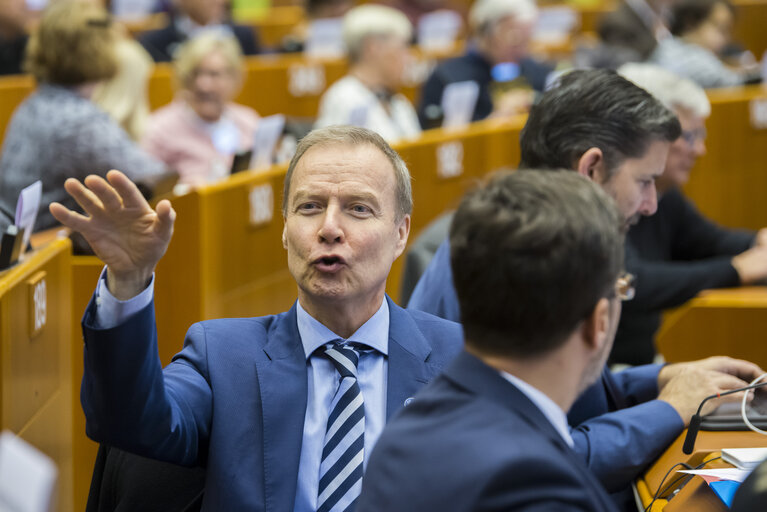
pixel 458 102
pixel 27 476
pixel 438 30
pixel 27 208
pixel 734 474
pixel 325 38
pixel 265 140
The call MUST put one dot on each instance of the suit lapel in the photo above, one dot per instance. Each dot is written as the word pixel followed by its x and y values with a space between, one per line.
pixel 283 385
pixel 408 351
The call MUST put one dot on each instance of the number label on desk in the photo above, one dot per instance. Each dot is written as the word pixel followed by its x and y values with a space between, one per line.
pixel 261 200
pixel 450 159
pixel 306 80
pixel 38 303
pixel 758 108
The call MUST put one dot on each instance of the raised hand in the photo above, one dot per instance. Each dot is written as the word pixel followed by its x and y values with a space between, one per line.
pixel 123 230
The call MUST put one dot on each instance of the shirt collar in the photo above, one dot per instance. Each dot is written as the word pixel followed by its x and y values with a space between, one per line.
pixel 374 333
pixel 548 407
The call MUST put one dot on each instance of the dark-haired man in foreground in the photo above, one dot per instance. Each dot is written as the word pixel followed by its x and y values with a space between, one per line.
pixel 537 261
pixel 613 132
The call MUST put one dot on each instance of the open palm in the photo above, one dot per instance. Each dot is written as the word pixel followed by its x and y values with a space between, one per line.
pixel 123 230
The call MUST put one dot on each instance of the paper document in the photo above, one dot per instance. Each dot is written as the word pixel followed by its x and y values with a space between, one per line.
pixel 712 475
pixel 27 208
pixel 265 141
pixel 27 476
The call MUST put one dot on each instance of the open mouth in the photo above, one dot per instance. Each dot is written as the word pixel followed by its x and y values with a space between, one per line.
pixel 329 263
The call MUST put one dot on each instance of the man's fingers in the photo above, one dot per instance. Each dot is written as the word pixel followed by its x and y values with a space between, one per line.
pixel 166 216
pixel 128 191
pixel 105 193
pixel 68 218
pixel 84 197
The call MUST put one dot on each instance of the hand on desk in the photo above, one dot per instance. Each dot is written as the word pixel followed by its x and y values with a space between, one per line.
pixel 123 230
pixel 685 385
pixel 751 265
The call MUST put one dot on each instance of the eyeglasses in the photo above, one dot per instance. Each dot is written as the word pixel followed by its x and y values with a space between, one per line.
pixel 624 286
pixel 693 136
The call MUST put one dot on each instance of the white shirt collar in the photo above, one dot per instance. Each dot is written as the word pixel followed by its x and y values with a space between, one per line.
pixel 548 407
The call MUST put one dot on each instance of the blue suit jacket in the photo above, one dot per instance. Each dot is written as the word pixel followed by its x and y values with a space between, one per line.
pixel 471 441
pixel 234 399
pixel 616 446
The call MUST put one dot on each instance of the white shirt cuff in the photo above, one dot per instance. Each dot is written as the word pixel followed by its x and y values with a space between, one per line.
pixel 111 312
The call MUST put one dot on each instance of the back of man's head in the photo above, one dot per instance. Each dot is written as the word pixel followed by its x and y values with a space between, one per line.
pixel 532 253
pixel 593 108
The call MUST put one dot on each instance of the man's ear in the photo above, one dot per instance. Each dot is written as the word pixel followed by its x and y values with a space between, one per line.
pixel 596 326
pixel 403 230
pixel 284 234
pixel 591 164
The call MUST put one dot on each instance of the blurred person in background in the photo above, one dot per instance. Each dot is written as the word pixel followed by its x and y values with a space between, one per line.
pixel 414 9
pixel 199 133
pixel 376 38
pixel 14 16
pixel 497 60
pixel 315 10
pixel 124 96
pixel 677 252
pixel 631 32
pixel 58 132
pixel 702 30
pixel 187 19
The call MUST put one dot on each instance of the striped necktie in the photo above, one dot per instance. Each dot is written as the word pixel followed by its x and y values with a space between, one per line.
pixel 343 450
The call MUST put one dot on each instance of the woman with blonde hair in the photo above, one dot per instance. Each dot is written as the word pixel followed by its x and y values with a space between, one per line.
pixel 199 133
pixel 124 97
pixel 58 132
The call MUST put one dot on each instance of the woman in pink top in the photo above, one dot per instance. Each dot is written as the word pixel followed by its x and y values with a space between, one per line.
pixel 201 131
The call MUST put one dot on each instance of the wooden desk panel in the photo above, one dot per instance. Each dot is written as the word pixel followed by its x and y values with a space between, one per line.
pixel 13 90
pixel 732 322
pixel 35 367
pixel 729 184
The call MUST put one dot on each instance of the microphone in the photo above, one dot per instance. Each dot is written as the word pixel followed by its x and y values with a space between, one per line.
pixel 692 430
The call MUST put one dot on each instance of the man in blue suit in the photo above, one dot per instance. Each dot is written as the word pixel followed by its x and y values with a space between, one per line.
pixel 616 134
pixel 282 410
pixel 537 262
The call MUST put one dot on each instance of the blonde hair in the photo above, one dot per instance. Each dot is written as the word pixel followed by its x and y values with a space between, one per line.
pixel 192 52
pixel 73 45
pixel 124 97
pixel 372 20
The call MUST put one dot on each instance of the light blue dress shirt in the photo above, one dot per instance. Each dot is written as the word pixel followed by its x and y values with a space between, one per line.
pixel 323 381
pixel 322 378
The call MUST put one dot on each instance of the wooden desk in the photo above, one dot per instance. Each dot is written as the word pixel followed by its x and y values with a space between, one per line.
pixel 695 495
pixel 36 400
pixel 732 322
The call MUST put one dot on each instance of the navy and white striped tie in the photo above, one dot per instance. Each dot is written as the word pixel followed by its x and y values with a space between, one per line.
pixel 344 448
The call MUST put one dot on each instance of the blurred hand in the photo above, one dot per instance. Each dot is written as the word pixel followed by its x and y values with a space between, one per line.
pixel 761 237
pixel 123 230
pixel 744 370
pixel 692 383
pixel 751 264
